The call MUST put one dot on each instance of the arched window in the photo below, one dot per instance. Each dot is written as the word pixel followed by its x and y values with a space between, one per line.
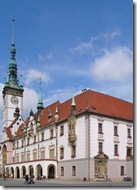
pixel 62 171
pixel 73 170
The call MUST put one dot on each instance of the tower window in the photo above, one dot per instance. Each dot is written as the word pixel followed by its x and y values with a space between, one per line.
pixel 129 133
pixel 100 128
pixel 115 131
pixel 116 150
pixel 100 147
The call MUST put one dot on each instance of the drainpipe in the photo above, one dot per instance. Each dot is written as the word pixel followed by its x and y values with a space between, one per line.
pixel 88 141
pixel 57 147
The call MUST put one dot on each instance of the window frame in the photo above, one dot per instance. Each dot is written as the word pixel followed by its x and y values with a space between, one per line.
pixel 116 150
pixel 62 171
pixel 61 130
pixel 115 130
pixel 73 170
pixel 129 133
pixel 100 147
pixel 100 128
pixel 61 152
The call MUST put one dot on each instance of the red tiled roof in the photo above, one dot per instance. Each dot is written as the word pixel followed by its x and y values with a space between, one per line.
pixel 8 129
pixel 96 102
pixel 45 113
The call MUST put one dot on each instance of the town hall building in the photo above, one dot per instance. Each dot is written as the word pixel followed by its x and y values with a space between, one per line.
pixel 87 137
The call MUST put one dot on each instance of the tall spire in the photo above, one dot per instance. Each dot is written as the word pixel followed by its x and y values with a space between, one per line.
pixel 13 49
pixel 40 101
pixel 13 82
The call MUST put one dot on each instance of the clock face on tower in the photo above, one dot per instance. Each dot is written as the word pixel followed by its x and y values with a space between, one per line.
pixel 14 100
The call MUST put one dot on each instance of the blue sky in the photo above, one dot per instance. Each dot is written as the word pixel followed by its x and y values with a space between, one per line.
pixel 71 45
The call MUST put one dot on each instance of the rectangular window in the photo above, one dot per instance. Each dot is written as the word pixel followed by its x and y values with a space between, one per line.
pixel 129 151
pixel 42 136
pixel 34 155
pixel 62 171
pixel 100 147
pixel 22 143
pixel 61 130
pixel 42 154
pixel 51 154
pixel 73 170
pixel 51 133
pixel 28 157
pixel 61 152
pixel 17 144
pixel 116 150
pixel 100 130
pixel 122 170
pixel 73 151
pixel 28 139
pixel 17 158
pixel 129 133
pixel 115 131
pixel 22 158
pixel 34 139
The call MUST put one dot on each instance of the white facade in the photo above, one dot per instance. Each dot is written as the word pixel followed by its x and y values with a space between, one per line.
pixel 81 146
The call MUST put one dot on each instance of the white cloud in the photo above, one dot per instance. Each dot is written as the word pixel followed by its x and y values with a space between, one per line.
pixel 30 101
pixel 115 65
pixel 41 57
pixel 107 36
pixel 61 95
pixel 35 75
pixel 1 98
pixel 49 56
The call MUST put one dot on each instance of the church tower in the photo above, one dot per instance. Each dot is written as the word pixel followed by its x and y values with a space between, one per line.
pixel 12 91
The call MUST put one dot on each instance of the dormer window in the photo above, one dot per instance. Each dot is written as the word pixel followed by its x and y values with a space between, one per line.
pixel 49 115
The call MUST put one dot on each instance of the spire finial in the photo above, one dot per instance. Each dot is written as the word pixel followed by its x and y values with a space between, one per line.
pixel 21 85
pixel 40 96
pixel 13 20
pixel 73 104
pixel 40 102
